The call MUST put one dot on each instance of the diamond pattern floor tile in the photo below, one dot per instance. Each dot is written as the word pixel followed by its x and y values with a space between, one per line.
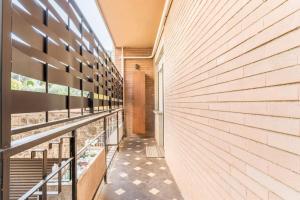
pixel 136 177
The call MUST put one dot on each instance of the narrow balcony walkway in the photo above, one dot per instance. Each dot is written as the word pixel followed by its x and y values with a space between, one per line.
pixel 133 176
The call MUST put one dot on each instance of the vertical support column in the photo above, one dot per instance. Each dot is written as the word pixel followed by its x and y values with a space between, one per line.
pixel 123 123
pixel 44 174
pixel 73 154
pixel 105 148
pixel 60 146
pixel 45 49
pixel 5 166
pixel 68 70
pixel 81 53
pixel 123 106
pixel 43 195
pixel 5 94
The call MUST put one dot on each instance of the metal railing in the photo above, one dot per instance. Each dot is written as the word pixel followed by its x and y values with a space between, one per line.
pixel 40 189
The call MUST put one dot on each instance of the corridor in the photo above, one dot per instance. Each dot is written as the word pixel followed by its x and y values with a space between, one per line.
pixel 133 176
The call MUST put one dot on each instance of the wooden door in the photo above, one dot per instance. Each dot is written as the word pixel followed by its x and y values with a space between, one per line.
pixel 138 92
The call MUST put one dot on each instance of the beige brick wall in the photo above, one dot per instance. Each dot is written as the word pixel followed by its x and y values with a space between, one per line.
pixel 232 90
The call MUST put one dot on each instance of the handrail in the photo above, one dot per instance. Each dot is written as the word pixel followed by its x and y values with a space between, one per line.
pixel 34 140
pixel 22 129
pixel 89 144
pixel 51 123
pixel 44 181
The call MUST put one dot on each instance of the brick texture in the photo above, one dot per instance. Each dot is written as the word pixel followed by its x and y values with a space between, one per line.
pixel 232 85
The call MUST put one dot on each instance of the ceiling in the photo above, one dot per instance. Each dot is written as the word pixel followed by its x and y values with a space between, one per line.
pixel 132 23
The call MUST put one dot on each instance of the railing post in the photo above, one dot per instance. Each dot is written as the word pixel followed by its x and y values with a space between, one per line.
pixel 44 188
pixel 59 164
pixel 5 169
pixel 60 146
pixel 44 152
pixel 60 143
pixel 45 50
pixel 124 123
pixel 73 153
pixel 118 136
pixel 105 148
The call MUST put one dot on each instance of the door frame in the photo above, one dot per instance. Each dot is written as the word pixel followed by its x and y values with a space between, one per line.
pixel 159 110
pixel 161 107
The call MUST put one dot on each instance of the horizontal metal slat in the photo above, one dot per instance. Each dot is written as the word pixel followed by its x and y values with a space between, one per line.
pixel 28 102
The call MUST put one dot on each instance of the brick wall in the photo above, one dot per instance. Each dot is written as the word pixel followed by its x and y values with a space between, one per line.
pixel 146 65
pixel 232 84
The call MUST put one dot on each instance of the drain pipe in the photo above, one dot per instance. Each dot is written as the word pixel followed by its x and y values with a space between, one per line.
pixel 158 35
pixel 124 100
pixel 122 61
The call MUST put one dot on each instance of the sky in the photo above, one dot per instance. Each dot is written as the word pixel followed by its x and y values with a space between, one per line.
pixel 91 12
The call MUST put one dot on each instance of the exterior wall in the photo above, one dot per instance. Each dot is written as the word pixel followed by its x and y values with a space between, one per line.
pixel 146 65
pixel 232 84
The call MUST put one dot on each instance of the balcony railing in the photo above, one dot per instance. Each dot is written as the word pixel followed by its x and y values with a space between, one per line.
pixel 50 44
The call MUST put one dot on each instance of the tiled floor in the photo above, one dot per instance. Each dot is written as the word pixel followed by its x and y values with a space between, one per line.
pixel 135 177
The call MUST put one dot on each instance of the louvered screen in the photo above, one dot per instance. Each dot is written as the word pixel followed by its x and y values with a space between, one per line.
pixel 52 43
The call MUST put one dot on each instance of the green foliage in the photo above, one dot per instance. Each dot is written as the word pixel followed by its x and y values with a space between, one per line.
pixel 24 83
pixel 30 83
pixel 58 89
pixel 16 85
pixel 75 92
pixel 86 93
